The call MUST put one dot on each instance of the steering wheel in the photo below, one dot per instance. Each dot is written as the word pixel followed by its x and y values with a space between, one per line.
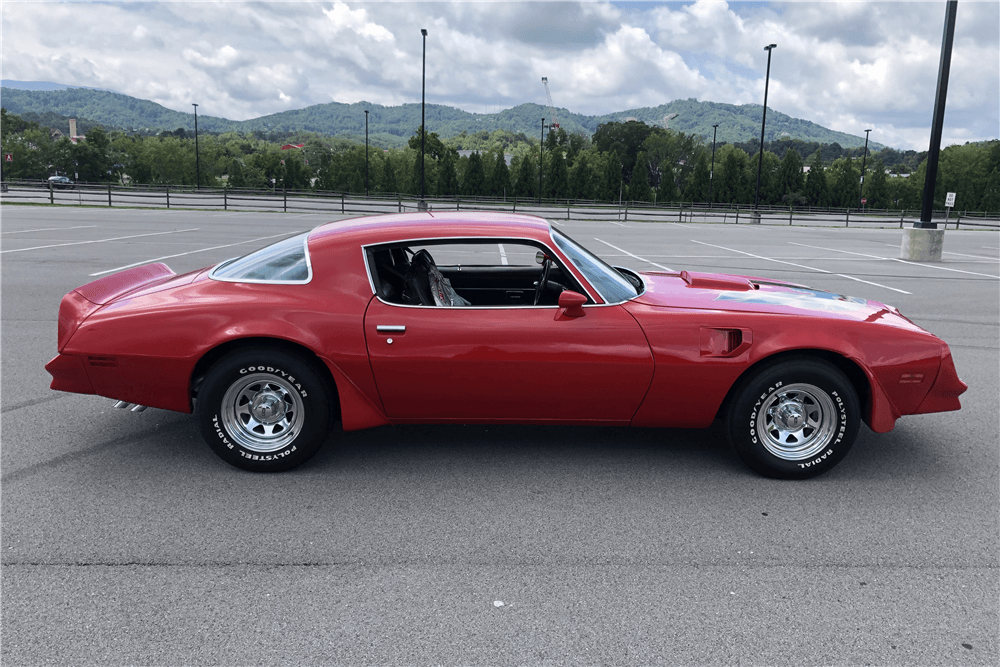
pixel 544 280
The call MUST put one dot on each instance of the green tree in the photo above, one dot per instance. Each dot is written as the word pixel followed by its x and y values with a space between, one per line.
pixel 447 177
pixel 696 188
pixel 474 183
pixel 666 191
pixel 791 182
pixel 876 189
pixel 526 185
pixel 499 182
pixel 817 191
pixel 609 185
pixel 845 190
pixel 556 181
pixel 581 178
pixel 638 188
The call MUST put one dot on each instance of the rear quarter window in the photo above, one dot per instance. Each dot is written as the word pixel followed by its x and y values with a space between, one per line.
pixel 286 261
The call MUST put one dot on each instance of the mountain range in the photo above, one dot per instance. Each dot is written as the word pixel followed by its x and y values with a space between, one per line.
pixel 393 125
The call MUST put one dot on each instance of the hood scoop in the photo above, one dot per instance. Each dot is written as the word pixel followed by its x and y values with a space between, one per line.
pixel 717 281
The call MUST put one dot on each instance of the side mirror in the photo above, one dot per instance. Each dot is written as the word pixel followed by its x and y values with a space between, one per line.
pixel 572 302
pixel 540 257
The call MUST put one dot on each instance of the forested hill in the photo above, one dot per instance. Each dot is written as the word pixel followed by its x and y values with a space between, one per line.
pixel 392 126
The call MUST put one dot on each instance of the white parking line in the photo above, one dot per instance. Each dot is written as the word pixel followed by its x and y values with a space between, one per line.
pixel 116 238
pixel 960 254
pixel 49 229
pixel 802 266
pixel 503 255
pixel 191 252
pixel 641 259
pixel 896 259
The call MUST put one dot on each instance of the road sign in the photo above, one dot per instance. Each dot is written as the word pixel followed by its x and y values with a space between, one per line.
pixel 950 200
pixel 8 157
pixel 864 200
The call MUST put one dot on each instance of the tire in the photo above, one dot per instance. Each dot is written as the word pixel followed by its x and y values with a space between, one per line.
pixel 264 410
pixel 794 420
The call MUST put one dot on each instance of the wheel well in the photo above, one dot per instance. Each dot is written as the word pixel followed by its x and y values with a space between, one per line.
pixel 854 374
pixel 209 358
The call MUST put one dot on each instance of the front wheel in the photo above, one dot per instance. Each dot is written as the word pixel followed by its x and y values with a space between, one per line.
pixel 264 410
pixel 794 420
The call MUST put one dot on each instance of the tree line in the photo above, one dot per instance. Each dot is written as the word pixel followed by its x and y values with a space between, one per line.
pixel 622 161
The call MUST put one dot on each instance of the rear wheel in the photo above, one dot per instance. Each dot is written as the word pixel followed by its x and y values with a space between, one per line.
pixel 264 410
pixel 794 420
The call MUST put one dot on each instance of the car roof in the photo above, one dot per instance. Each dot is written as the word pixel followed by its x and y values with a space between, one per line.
pixel 426 225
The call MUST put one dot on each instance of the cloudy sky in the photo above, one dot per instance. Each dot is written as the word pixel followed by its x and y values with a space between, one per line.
pixel 845 65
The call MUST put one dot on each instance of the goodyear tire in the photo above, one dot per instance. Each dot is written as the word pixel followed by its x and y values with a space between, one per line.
pixel 264 410
pixel 794 420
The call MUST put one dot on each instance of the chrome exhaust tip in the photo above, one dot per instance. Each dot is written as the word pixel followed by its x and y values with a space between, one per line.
pixel 138 408
pixel 121 405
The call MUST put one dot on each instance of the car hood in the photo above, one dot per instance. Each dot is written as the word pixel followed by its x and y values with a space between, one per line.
pixel 719 291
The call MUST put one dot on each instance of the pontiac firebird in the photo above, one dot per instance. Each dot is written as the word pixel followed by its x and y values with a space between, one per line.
pixel 492 318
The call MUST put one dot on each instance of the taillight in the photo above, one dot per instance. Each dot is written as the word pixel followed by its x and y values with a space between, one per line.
pixel 73 310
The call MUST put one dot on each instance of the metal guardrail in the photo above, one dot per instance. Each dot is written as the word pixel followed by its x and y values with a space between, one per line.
pixel 310 201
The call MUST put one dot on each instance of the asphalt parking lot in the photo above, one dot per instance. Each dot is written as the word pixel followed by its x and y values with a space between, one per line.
pixel 126 541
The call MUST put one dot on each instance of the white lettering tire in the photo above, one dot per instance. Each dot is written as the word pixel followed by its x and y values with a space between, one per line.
pixel 264 410
pixel 794 420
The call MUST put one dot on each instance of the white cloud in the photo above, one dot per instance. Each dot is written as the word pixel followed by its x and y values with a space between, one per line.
pixel 844 65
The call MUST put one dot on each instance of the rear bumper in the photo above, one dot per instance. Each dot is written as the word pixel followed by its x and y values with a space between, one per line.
pixel 69 374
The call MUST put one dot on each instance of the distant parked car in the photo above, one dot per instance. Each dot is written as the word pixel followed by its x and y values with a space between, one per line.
pixel 60 181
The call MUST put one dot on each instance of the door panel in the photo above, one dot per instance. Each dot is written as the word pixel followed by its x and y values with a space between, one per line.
pixel 507 364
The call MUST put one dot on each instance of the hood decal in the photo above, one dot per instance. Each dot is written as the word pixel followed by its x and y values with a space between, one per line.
pixel 802 299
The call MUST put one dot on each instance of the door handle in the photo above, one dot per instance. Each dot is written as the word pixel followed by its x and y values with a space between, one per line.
pixel 390 328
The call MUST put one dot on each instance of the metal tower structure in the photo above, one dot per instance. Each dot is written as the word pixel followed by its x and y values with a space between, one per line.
pixel 554 125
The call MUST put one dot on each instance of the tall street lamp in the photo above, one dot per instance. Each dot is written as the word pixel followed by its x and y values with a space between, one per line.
pixel 711 176
pixel 366 152
pixel 197 161
pixel 423 130
pixel 863 156
pixel 541 147
pixel 763 120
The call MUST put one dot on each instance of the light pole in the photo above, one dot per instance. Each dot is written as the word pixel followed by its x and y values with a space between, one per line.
pixel 711 176
pixel 197 161
pixel 763 120
pixel 366 152
pixel 423 130
pixel 541 147
pixel 863 156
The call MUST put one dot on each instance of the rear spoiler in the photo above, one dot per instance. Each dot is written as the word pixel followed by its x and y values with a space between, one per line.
pixel 106 290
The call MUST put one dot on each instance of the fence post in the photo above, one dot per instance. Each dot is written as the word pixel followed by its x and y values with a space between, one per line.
pixel 400 197
pixel 567 210
pixel 52 199
pixel 958 219
pixel 626 211
pixel 901 216
pixel 109 194
pixel 168 196
pixel 847 218
pixel 790 209
pixel 225 197
pixel 514 210
pixel 341 203
pixel 737 214
pixel 458 203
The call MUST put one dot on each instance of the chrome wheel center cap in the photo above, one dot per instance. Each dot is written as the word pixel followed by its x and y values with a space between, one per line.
pixel 789 417
pixel 267 407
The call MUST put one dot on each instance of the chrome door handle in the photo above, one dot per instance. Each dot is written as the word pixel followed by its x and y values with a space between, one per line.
pixel 390 328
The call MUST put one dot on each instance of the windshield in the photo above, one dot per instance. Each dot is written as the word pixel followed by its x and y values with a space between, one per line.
pixel 612 285
pixel 283 262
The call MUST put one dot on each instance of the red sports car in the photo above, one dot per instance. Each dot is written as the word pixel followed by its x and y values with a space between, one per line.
pixel 492 318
